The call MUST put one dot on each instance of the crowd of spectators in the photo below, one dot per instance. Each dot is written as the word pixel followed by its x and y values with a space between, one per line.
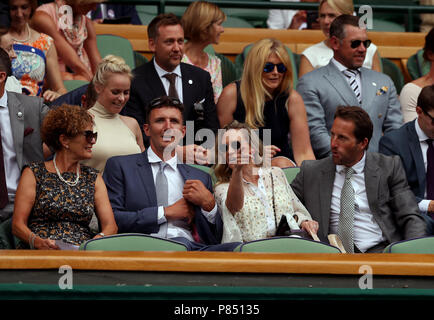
pixel 113 156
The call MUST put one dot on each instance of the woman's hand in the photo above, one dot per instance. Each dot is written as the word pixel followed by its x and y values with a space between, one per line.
pixel 310 226
pixel 45 244
pixel 50 96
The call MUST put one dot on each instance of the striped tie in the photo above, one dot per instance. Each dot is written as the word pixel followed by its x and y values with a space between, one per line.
pixel 351 75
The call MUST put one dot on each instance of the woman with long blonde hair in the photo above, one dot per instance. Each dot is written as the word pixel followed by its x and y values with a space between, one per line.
pixel 263 99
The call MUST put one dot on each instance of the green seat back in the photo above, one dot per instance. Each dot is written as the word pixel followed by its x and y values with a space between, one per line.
pixel 291 173
pixel 417 66
pixel 386 26
pixel 394 72
pixel 7 239
pixel 132 242
pixel 288 245
pixel 421 245
pixel 236 22
pixel 116 45
pixel 139 59
pixel 206 169
pixel 229 73
pixel 73 84
pixel 239 63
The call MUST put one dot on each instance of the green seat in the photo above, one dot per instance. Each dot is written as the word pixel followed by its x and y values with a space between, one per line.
pixel 287 245
pixel 145 18
pixel 7 239
pixel 206 169
pixel 417 66
pixel 236 22
pixel 291 173
pixel 229 73
pixel 116 45
pixel 132 242
pixel 239 63
pixel 394 72
pixel 386 26
pixel 73 84
pixel 420 245
pixel 139 59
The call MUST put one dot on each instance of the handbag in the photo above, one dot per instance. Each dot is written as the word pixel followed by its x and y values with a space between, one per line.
pixel 283 229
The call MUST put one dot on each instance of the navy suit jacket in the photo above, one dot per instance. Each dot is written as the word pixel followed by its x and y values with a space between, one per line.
pixel 196 88
pixel 404 142
pixel 131 190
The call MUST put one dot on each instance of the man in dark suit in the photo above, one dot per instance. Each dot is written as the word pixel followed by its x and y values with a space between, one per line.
pixel 411 144
pixel 361 196
pixel 152 193
pixel 345 82
pixel 20 141
pixel 191 84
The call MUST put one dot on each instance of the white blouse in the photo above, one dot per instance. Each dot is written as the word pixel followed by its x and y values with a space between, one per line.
pixel 258 218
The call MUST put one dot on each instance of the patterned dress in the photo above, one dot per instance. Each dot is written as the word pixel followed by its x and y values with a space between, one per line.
pixel 30 65
pixel 61 211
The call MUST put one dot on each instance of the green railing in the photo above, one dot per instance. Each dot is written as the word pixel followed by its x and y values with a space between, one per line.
pixel 411 11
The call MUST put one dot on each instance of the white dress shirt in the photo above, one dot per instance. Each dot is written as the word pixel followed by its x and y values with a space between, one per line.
pixel 367 232
pixel 423 204
pixel 12 169
pixel 175 185
pixel 178 80
pixel 342 68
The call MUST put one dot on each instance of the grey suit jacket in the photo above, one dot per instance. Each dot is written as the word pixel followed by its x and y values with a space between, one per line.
pixel 326 88
pixel 26 114
pixel 390 199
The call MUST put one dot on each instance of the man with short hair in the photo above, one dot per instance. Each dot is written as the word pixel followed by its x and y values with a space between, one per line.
pixel 152 193
pixel 20 141
pixel 361 196
pixel 165 74
pixel 345 82
pixel 413 143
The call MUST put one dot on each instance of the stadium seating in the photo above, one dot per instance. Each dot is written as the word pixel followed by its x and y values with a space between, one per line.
pixel 393 71
pixel 420 245
pixel 116 45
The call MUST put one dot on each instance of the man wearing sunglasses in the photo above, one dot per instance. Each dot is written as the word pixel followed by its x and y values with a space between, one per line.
pixel 20 140
pixel 413 142
pixel 345 82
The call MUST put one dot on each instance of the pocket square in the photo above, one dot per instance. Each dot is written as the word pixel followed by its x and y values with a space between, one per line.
pixel 28 131
pixel 383 90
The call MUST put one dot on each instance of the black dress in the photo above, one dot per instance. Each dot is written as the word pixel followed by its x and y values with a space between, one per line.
pixel 275 118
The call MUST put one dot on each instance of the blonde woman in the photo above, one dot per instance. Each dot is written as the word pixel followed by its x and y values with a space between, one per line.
pixel 202 24
pixel 320 54
pixel 117 135
pixel 264 100
pixel 252 197
pixel 73 34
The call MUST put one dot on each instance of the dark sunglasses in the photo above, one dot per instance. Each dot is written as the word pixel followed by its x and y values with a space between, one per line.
pixel 269 67
pixel 90 135
pixel 165 101
pixel 431 117
pixel 356 43
pixel 234 145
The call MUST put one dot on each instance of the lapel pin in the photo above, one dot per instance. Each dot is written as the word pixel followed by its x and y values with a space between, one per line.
pixel 374 84
pixel 380 115
pixel 20 114
pixel 190 81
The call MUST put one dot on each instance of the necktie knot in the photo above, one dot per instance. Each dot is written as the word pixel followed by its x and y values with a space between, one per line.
pixel 350 73
pixel 348 173
pixel 171 77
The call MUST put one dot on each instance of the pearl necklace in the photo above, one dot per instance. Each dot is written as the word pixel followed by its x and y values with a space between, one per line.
pixel 71 184
pixel 28 35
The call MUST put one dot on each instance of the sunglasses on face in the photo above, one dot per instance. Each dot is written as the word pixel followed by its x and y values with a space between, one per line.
pixel 429 116
pixel 90 135
pixel 234 145
pixel 356 43
pixel 269 67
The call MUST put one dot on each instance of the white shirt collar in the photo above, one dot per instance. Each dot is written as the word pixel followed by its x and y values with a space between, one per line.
pixel 161 72
pixel 422 136
pixel 340 66
pixel 359 167
pixel 153 158
pixel 4 100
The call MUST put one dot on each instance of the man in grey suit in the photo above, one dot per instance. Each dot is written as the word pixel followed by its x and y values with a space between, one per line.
pixel 20 141
pixel 362 196
pixel 345 82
